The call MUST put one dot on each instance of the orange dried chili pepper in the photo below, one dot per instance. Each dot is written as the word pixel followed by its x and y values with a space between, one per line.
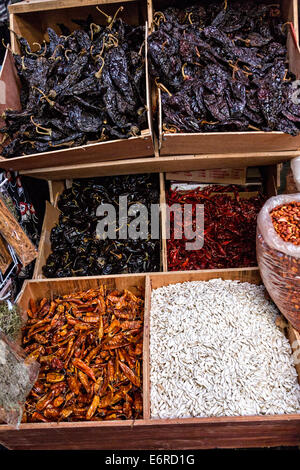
pixel 129 374
pixel 84 368
pixel 93 408
pixel 53 377
pixel 89 338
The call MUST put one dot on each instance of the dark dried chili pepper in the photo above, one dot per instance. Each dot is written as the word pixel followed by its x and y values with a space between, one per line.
pixel 78 251
pixel 90 83
pixel 223 68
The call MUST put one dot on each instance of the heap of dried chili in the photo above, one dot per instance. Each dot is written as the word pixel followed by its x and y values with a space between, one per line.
pixel 286 222
pixel 77 248
pixel 89 345
pixel 229 229
pixel 82 86
pixel 222 66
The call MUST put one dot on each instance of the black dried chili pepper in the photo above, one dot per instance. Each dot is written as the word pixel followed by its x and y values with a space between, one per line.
pixel 77 250
pixel 235 54
pixel 82 86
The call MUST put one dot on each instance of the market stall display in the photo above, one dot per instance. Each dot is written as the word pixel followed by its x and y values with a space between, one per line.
pixel 78 98
pixel 278 253
pixel 144 340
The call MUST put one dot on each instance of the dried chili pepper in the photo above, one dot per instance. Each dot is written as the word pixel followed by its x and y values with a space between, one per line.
pixel 286 221
pixel 88 85
pixel 90 386
pixel 76 250
pixel 223 69
pixel 229 229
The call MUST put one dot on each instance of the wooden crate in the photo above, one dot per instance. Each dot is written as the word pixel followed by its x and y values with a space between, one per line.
pixel 191 433
pixel 31 20
pixel 51 219
pixel 235 142
pixel 52 215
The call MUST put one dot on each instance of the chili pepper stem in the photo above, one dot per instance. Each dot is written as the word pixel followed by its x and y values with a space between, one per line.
pixel 94 29
pixel 115 16
pixel 162 87
pixel 99 73
pixel 108 17
pixel 45 97
pixel 4 138
pixel 190 17
pixel 55 50
pixel 38 126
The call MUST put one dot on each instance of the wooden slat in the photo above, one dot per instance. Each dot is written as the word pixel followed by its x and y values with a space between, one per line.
pixel 146 350
pixel 44 5
pixel 163 222
pixel 50 219
pixel 161 164
pixel 243 274
pixel 171 434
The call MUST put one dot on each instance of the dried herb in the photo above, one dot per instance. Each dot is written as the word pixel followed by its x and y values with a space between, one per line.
pixel 10 320
pixel 76 248
pixel 90 346
pixel 222 66
pixel 229 230
pixel 87 86
pixel 17 376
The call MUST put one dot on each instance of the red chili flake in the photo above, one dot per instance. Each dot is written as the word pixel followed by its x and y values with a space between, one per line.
pixel 286 222
pixel 229 229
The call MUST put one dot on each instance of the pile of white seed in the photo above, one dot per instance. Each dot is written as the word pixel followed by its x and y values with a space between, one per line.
pixel 215 350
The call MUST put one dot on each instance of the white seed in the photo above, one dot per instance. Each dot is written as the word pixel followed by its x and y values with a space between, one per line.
pixel 215 350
